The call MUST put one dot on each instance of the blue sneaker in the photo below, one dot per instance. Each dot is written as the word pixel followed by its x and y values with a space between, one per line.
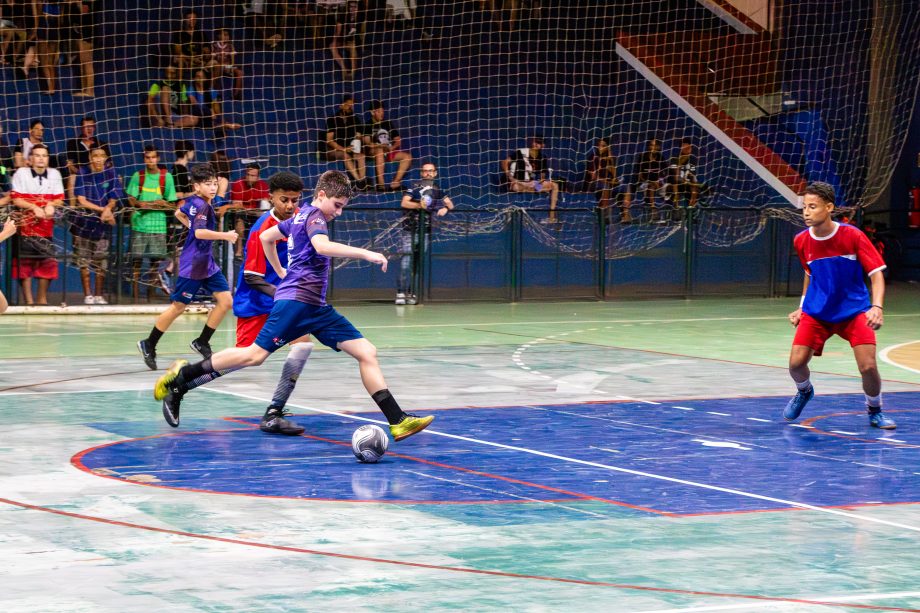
pixel 877 419
pixel 798 402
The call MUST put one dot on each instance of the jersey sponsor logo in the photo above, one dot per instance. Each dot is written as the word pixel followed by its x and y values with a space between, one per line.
pixel 278 341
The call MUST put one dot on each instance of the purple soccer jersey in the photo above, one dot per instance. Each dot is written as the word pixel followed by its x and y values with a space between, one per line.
pixel 308 271
pixel 197 260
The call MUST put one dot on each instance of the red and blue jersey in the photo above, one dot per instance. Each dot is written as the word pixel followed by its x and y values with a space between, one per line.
pixel 836 266
pixel 249 302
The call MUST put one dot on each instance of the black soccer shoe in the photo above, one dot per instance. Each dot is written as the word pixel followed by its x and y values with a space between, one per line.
pixel 274 422
pixel 203 348
pixel 171 406
pixel 149 353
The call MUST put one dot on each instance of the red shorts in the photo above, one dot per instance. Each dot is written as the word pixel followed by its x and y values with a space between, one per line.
pixel 248 328
pixel 40 268
pixel 814 333
pixel 392 155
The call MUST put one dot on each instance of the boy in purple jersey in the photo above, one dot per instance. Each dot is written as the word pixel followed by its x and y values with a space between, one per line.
pixel 197 268
pixel 836 258
pixel 300 308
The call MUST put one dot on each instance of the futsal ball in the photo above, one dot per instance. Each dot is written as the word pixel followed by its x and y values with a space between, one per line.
pixel 369 443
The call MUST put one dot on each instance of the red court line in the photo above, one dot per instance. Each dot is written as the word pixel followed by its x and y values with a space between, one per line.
pixel 812 420
pixel 456 569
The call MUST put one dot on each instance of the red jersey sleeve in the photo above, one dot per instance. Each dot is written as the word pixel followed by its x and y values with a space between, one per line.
pixel 236 190
pixel 799 243
pixel 867 254
pixel 255 254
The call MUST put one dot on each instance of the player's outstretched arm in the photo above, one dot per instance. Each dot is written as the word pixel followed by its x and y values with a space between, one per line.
pixel 331 249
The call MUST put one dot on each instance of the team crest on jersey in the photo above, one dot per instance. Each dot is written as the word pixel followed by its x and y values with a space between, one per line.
pixel 278 341
pixel 192 210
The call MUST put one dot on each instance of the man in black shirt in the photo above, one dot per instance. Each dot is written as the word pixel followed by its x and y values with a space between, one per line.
pixel 649 175
pixel 385 143
pixel 343 141
pixel 78 154
pixel 527 171
pixel 682 180
pixel 185 153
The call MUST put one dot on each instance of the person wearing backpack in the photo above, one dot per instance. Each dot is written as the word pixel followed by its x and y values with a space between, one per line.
pixel 151 192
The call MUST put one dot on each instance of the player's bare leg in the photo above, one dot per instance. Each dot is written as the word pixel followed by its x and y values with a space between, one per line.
pixel 872 386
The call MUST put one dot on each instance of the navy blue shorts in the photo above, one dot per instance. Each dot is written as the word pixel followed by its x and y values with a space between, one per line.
pixel 187 288
pixel 291 319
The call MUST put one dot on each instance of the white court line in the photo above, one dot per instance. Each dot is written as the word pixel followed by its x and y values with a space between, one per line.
pixel 717 413
pixel 766 421
pixel 854 598
pixel 113 391
pixel 490 323
pixel 682 408
pixel 883 356
pixel 639 473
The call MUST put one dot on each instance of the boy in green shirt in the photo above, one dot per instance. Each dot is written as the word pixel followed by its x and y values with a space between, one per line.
pixel 152 192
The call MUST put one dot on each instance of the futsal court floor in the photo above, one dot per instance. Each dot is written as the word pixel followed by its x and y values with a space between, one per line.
pixel 586 456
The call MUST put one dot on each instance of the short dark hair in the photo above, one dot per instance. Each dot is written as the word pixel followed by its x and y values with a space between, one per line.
pixel 824 191
pixel 104 147
pixel 537 139
pixel 40 146
pixel 182 147
pixel 335 184
pixel 376 104
pixel 35 122
pixel 253 166
pixel 285 181
pixel 150 148
pixel 202 172
pixel 346 98
pixel 87 118
pixel 426 163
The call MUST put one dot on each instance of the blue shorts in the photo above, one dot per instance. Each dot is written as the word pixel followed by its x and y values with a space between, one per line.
pixel 187 288
pixel 291 319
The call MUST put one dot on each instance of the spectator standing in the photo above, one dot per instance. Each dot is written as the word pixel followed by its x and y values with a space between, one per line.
pixel 151 192
pixel 185 154
pixel 425 195
pixel 385 144
pixel 37 189
pixel 12 30
pixel 6 164
pixel 247 195
pixel 49 32
pixel 343 141
pixel 527 171
pixel 79 20
pixel 98 191
pixel 8 230
pixel 189 46
pixel 78 150
pixel 341 24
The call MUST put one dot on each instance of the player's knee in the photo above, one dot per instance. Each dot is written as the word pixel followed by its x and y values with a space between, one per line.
pixel 867 367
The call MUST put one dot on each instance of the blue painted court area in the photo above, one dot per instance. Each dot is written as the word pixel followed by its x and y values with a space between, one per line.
pixel 606 457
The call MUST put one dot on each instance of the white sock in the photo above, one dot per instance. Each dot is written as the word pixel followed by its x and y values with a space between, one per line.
pixel 874 401
pixel 803 385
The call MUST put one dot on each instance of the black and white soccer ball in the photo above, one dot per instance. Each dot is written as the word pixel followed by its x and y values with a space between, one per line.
pixel 369 443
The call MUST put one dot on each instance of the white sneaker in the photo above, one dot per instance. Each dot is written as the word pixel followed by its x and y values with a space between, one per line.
pixel 89 300
pixel 101 300
pixel 400 298
pixel 411 299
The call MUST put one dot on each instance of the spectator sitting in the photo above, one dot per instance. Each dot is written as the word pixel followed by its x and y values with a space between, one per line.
pixel 682 180
pixel 601 178
pixel 23 151
pixel 167 101
pixel 223 57
pixel 151 192
pixel 526 170
pixel 261 24
pixel 12 29
pixel 189 46
pixel 343 141
pixel 98 190
pixel 384 142
pixel 185 153
pixel 37 189
pixel 206 105
pixel 249 194
pixel 649 175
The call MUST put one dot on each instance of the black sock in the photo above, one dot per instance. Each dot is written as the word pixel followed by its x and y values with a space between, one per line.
pixel 388 405
pixel 206 333
pixel 193 371
pixel 154 337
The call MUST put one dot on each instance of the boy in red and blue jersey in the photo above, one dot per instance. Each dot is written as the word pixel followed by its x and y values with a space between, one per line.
pixel 197 268
pixel 836 258
pixel 300 308
pixel 255 297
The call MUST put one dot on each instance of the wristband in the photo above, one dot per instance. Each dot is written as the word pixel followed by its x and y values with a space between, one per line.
pixel 878 307
pixel 802 302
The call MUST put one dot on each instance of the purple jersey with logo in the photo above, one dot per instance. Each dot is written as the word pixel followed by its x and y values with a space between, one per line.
pixel 308 271
pixel 196 261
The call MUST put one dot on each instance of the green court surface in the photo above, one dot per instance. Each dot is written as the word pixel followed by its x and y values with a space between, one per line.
pixel 603 456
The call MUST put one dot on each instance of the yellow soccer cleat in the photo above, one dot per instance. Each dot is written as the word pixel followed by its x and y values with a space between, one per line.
pixel 409 425
pixel 161 389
